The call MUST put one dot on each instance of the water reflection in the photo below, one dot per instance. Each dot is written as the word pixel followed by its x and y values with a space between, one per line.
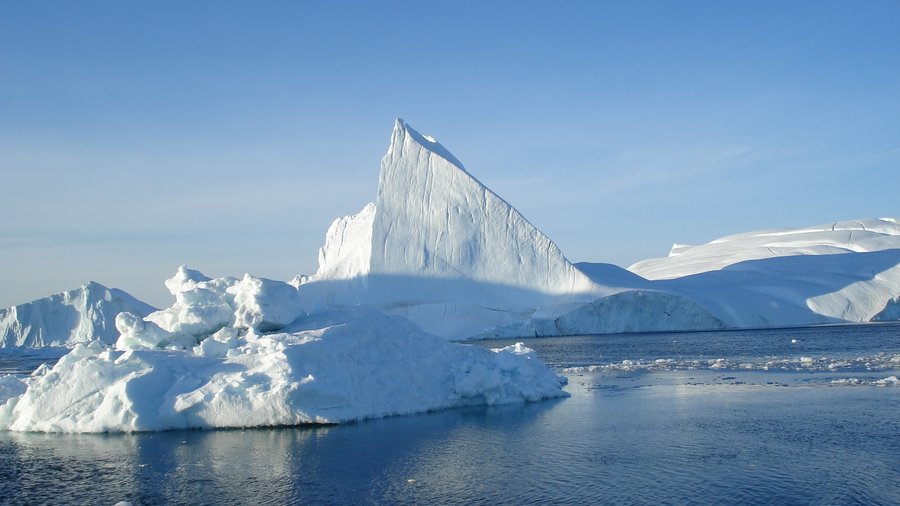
pixel 373 460
pixel 637 442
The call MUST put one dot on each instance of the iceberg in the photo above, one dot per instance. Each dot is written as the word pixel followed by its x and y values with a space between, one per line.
pixel 855 236
pixel 337 367
pixel 843 272
pixel 442 250
pixel 436 257
pixel 81 315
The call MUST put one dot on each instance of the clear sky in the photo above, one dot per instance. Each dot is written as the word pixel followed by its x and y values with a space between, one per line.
pixel 138 136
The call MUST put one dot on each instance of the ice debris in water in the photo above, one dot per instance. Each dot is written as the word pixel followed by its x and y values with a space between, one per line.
pixel 879 362
pixel 884 382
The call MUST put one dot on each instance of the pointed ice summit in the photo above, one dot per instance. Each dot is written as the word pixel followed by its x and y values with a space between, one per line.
pixel 441 249
pixel 432 220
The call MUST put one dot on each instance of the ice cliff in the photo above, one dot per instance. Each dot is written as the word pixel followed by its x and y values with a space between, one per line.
pixel 77 316
pixel 441 249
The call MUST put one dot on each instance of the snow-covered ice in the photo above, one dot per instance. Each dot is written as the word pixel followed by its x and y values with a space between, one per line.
pixel 336 367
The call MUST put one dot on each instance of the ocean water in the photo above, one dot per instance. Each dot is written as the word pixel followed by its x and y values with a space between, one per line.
pixel 793 416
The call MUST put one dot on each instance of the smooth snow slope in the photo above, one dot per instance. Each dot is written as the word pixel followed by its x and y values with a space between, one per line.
pixel 834 238
pixel 843 272
pixel 77 316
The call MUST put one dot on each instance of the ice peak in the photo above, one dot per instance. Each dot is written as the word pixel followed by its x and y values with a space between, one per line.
pixel 406 141
pixel 435 220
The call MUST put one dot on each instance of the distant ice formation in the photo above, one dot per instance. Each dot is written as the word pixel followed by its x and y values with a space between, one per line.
pixel 836 273
pixel 81 315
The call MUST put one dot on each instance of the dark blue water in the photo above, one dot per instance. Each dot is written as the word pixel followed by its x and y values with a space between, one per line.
pixel 687 430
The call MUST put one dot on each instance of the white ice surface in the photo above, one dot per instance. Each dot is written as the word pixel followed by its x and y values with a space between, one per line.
pixel 203 306
pixel 858 236
pixel 843 272
pixel 337 367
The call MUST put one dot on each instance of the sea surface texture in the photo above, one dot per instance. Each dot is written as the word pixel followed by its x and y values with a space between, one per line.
pixel 784 416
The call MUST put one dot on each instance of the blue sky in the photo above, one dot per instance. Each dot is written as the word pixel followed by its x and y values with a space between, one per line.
pixel 139 136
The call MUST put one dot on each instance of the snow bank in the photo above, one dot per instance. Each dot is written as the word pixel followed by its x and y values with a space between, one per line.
pixel 337 367
pixel 81 315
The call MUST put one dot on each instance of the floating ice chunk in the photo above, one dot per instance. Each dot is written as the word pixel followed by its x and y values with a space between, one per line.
pixel 884 382
pixel 889 381
pixel 79 315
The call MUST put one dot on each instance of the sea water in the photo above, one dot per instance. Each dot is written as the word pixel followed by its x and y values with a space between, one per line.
pixel 789 416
